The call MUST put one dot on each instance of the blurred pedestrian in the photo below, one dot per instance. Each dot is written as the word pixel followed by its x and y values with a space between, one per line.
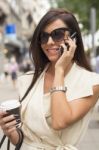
pixel 59 96
pixel 26 66
pixel 6 68
pixel 13 71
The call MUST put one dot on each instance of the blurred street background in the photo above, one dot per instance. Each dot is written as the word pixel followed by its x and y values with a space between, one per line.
pixel 18 19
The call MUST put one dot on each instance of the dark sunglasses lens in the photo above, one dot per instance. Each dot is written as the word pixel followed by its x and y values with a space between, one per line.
pixel 58 35
pixel 44 38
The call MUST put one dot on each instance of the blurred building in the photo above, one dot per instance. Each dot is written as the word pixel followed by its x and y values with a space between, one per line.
pixel 18 19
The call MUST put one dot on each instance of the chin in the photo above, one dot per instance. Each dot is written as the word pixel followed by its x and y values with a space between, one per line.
pixel 53 59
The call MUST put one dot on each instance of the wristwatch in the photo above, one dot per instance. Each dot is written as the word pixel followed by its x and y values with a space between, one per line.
pixel 58 88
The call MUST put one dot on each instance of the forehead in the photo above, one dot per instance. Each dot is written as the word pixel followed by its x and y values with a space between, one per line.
pixel 54 25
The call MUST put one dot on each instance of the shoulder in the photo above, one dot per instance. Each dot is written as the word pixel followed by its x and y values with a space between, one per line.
pixel 25 78
pixel 81 83
pixel 23 82
pixel 26 75
pixel 86 75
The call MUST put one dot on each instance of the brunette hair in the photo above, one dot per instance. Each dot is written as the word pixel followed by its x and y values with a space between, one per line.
pixel 39 58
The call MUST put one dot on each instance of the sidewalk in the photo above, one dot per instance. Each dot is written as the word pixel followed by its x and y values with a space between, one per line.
pixel 7 92
pixel 91 140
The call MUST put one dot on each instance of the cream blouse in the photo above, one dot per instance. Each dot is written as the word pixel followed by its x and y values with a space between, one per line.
pixel 36 115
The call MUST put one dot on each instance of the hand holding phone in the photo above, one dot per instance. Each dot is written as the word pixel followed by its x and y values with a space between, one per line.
pixel 66 46
pixel 62 48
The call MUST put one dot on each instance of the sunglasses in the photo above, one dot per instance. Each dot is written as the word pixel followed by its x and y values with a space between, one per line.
pixel 57 35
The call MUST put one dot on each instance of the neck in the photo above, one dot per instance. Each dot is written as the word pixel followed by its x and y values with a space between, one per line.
pixel 51 68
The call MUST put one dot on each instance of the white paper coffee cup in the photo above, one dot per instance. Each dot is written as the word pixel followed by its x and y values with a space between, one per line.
pixel 12 107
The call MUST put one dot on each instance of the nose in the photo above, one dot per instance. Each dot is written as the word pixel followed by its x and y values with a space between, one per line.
pixel 50 40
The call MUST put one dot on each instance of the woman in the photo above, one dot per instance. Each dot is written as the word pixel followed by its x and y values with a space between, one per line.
pixel 59 96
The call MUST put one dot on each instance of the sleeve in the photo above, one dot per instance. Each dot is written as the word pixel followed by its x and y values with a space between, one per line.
pixel 95 79
pixel 82 86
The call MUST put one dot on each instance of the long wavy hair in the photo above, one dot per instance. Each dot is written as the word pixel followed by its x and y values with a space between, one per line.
pixel 39 58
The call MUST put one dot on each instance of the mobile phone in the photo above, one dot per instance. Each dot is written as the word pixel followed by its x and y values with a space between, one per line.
pixel 66 44
pixel 73 35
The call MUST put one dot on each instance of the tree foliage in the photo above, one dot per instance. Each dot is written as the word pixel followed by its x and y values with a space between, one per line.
pixel 82 8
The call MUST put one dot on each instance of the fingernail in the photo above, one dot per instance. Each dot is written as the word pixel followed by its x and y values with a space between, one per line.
pixel 18 120
pixel 17 125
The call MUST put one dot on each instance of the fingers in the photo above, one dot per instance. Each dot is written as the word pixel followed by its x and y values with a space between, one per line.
pixel 7 123
pixel 2 113
pixel 64 47
pixel 5 119
pixel 9 131
pixel 71 45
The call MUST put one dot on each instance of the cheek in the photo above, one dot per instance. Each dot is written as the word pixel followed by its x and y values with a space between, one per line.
pixel 67 34
pixel 43 47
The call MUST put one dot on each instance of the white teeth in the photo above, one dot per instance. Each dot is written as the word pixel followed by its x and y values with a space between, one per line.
pixel 51 49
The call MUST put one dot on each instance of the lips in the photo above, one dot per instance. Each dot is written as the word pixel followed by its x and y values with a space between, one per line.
pixel 52 50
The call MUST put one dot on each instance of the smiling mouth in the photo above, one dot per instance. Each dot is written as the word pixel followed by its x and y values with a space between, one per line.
pixel 53 49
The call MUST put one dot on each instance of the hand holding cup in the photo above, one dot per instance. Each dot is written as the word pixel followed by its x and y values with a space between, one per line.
pixel 10 116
